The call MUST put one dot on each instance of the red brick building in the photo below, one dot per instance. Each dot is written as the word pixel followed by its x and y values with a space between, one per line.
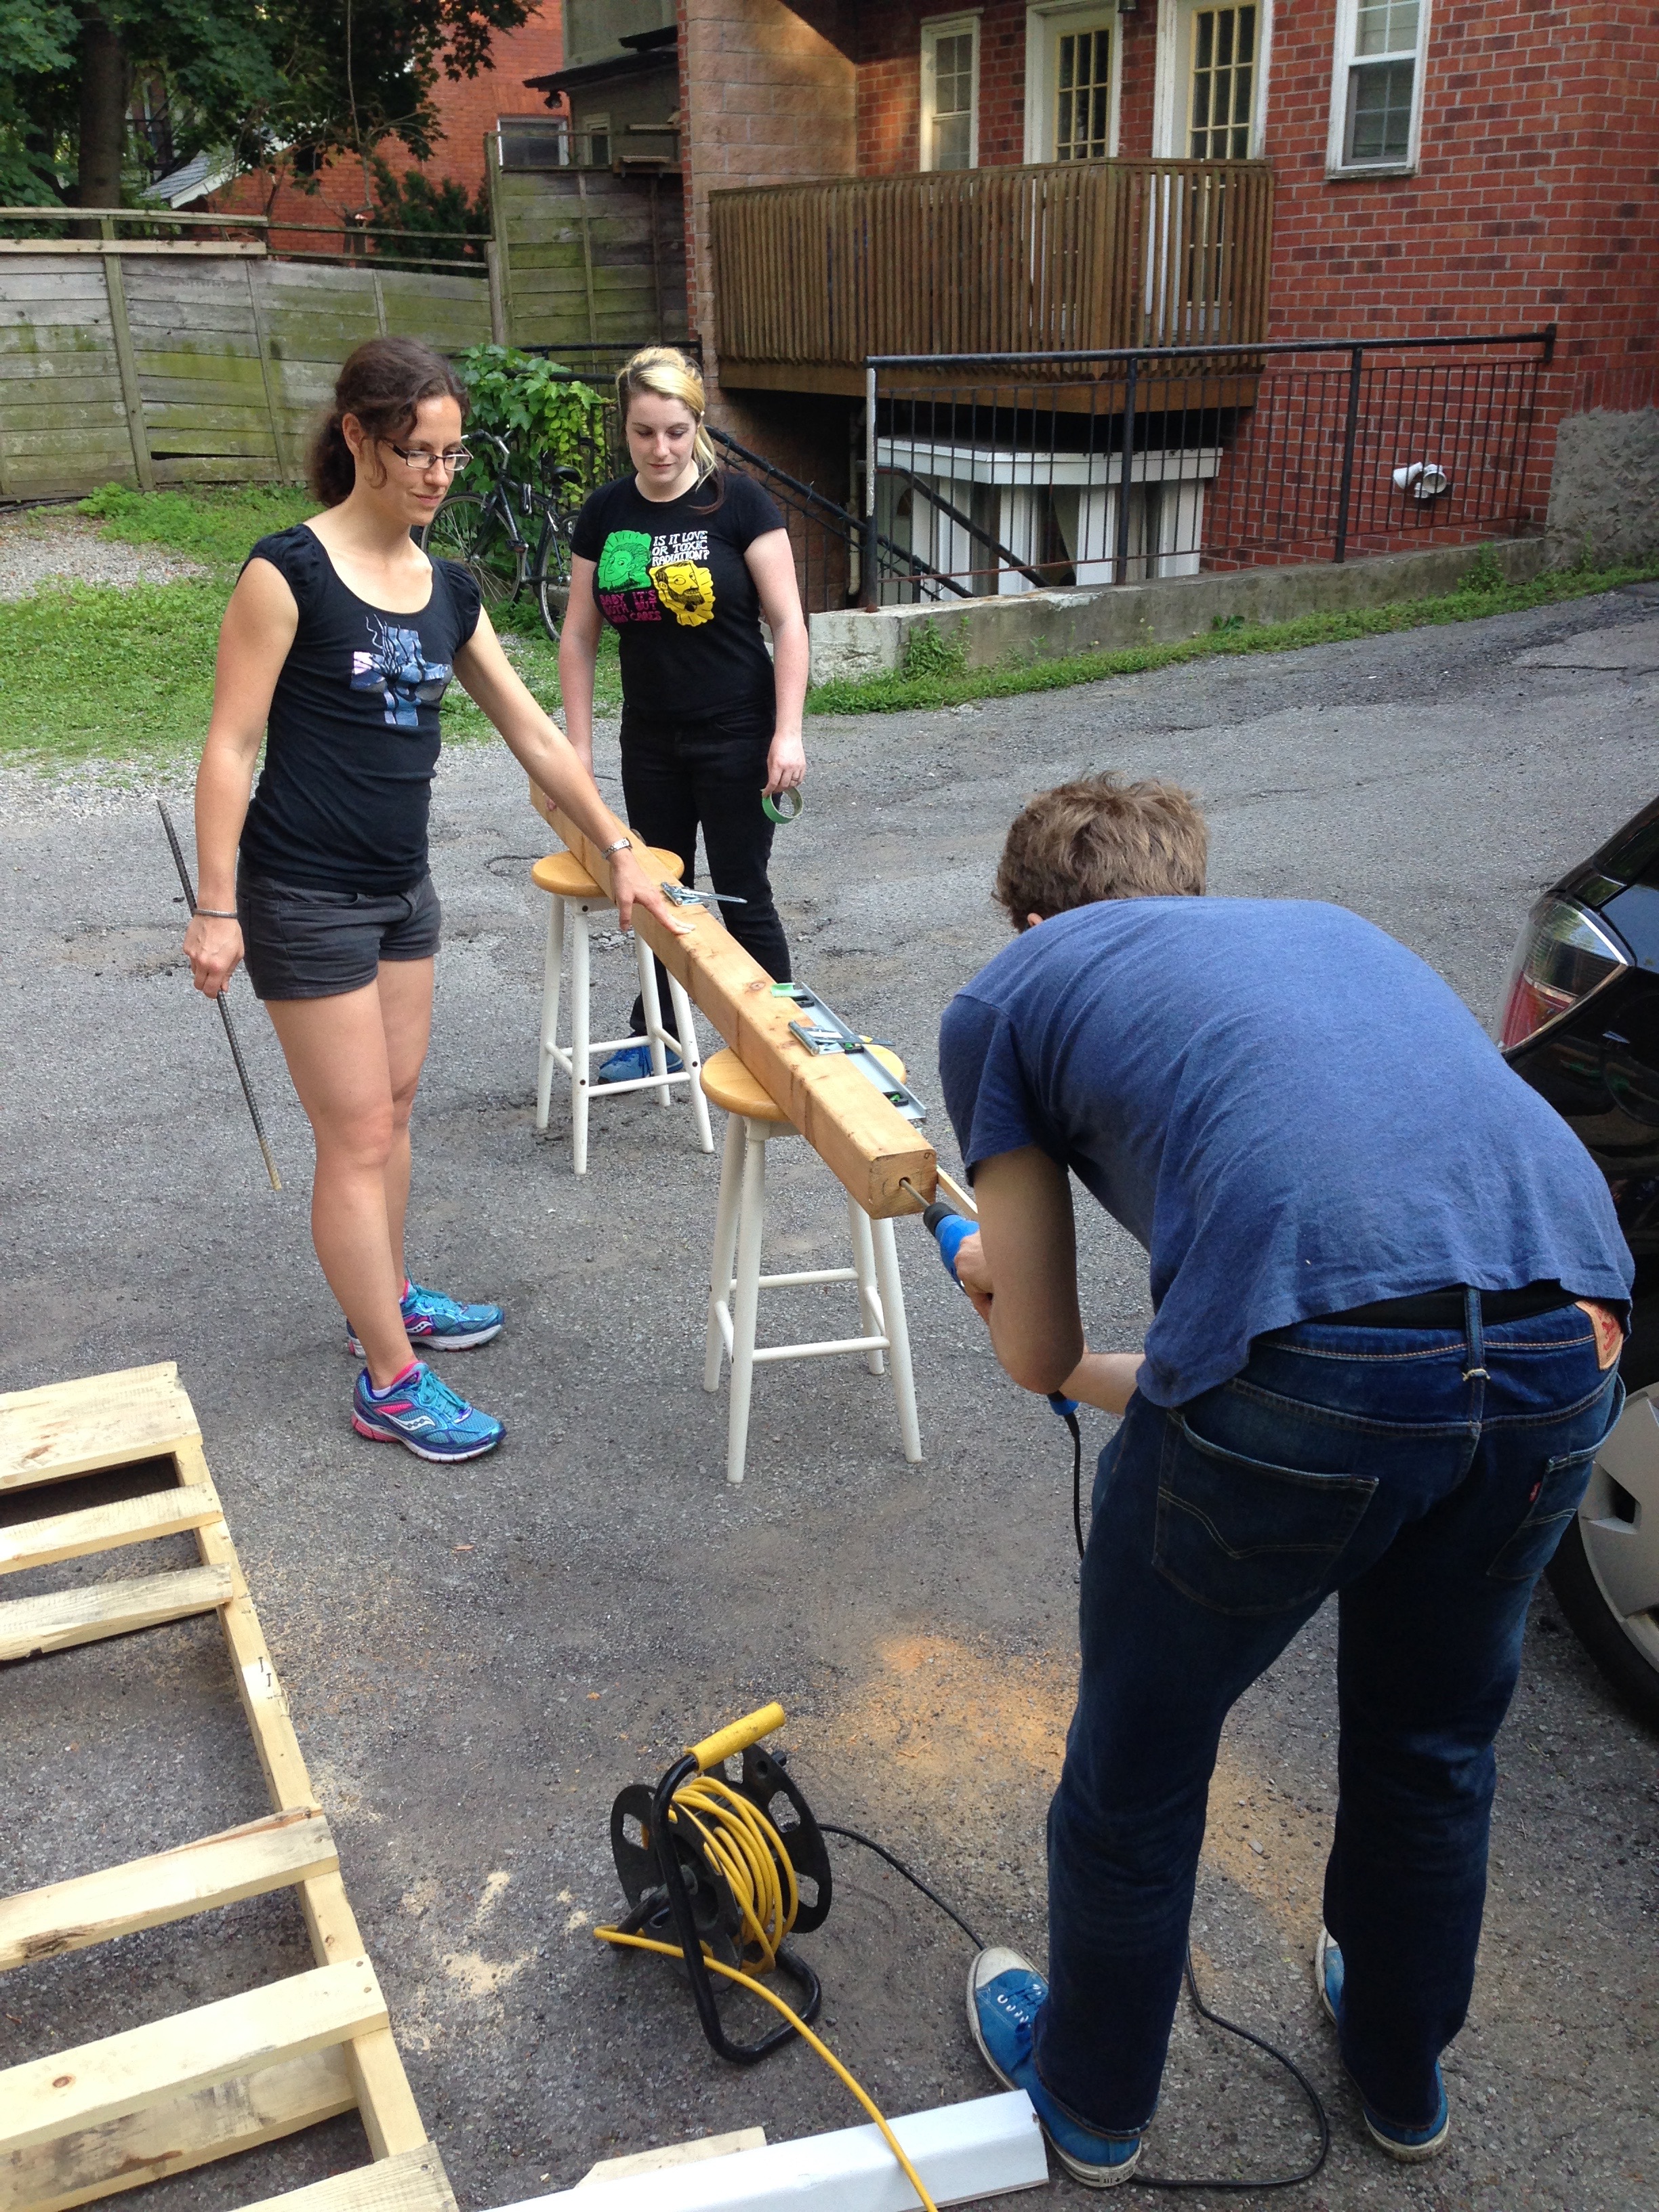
pixel 1436 167
pixel 469 109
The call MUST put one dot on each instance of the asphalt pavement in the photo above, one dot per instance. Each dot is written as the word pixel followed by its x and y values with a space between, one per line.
pixel 477 1659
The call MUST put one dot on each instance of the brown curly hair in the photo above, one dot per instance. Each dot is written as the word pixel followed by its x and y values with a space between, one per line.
pixel 1102 838
pixel 382 383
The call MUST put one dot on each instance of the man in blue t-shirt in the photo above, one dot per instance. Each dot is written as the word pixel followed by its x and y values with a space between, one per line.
pixel 1389 1289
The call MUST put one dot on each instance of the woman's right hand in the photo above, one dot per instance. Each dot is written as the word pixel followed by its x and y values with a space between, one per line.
pixel 212 947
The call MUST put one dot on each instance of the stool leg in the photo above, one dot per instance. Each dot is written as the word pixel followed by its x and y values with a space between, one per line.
pixel 551 976
pixel 686 1028
pixel 581 1074
pixel 751 1221
pixel 726 1245
pixel 647 968
pixel 863 1267
pixel 898 1336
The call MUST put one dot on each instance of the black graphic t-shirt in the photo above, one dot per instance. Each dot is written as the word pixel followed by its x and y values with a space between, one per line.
pixel 353 738
pixel 671 578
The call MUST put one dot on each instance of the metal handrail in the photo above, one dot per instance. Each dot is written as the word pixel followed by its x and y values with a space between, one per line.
pixel 1546 337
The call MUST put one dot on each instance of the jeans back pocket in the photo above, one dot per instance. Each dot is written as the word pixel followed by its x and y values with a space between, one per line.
pixel 1554 1500
pixel 1242 1536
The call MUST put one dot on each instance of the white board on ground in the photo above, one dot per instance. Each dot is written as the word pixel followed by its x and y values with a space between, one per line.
pixel 982 2148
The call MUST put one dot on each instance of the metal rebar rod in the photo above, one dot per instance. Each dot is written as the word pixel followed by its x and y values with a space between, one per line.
pixel 223 1005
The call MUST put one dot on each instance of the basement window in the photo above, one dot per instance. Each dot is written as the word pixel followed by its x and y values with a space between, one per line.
pixel 1377 99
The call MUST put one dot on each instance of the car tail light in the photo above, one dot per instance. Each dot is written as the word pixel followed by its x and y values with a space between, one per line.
pixel 1563 957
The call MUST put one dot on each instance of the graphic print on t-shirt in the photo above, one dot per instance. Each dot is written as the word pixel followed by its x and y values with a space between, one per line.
pixel 638 576
pixel 396 667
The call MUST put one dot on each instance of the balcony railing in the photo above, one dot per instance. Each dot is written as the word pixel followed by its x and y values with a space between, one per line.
pixel 814 278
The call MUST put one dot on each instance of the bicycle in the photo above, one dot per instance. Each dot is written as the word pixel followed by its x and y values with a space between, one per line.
pixel 483 531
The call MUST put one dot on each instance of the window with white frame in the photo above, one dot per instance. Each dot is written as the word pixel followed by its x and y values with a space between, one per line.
pixel 949 92
pixel 1378 94
pixel 1223 95
pixel 1072 67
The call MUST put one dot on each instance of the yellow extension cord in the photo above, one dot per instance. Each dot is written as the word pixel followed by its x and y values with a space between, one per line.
pixel 738 1840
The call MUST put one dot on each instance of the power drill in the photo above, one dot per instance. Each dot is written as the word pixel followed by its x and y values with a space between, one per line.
pixel 948 1229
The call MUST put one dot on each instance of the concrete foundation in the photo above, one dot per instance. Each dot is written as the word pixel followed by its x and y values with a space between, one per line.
pixel 1604 489
pixel 1050 625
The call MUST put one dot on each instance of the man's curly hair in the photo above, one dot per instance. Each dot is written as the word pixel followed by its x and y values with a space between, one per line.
pixel 1102 838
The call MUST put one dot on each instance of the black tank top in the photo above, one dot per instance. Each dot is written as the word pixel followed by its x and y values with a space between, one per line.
pixel 353 738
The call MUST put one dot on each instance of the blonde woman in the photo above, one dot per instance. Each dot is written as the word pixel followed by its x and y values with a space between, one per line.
pixel 685 560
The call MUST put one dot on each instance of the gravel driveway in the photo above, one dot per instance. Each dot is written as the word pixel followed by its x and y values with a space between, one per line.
pixel 52 545
pixel 477 1659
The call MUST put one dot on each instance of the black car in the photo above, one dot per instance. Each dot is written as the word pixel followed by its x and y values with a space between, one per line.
pixel 1580 1021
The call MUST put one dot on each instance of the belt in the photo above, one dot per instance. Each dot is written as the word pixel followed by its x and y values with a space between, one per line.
pixel 1444 1308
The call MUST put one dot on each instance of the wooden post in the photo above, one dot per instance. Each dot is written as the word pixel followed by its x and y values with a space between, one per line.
pixel 267 376
pixel 868 1145
pixel 500 265
pixel 587 256
pixel 379 300
pixel 126 360
pixel 497 299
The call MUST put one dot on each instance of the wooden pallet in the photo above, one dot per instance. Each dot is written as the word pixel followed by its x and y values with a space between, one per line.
pixel 202 2085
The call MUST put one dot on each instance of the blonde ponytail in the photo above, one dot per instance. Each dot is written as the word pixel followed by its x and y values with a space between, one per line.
pixel 668 374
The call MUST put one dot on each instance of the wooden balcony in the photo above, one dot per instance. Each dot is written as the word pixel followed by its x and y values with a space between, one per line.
pixel 811 279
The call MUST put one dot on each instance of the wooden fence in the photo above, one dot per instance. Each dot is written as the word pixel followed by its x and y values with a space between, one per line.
pixel 154 365
pixel 588 258
pixel 1063 256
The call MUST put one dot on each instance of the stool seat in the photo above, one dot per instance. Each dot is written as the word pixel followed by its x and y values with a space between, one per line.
pixel 730 1085
pixel 564 876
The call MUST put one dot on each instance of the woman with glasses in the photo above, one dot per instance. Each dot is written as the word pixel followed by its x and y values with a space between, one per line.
pixel 340 640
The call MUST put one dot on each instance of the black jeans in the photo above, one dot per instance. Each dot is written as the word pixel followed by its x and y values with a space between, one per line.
pixel 678 775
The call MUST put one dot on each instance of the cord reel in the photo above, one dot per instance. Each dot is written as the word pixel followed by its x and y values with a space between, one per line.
pixel 698 1875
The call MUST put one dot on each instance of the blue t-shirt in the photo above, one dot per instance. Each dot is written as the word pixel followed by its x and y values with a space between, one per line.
pixel 1287 1109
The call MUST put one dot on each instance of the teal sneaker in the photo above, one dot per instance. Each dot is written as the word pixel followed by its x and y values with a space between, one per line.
pixel 1410 2145
pixel 432 1319
pixel 633 1062
pixel 423 1415
pixel 1004 1994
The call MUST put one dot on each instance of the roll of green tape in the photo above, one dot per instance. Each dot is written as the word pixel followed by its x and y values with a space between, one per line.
pixel 775 814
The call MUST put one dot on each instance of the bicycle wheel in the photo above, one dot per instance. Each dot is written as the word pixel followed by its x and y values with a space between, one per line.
pixel 551 575
pixel 471 531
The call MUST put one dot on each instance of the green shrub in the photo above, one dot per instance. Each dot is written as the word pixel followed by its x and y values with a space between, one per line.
pixel 543 411
pixel 1484 573
pixel 929 653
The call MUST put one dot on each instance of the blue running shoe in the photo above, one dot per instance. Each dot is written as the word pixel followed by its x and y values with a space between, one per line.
pixel 633 1061
pixel 1408 2144
pixel 1004 1994
pixel 431 1318
pixel 425 1416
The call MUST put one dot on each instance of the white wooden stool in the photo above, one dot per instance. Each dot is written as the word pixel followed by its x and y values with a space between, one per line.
pixel 736 1281
pixel 575 896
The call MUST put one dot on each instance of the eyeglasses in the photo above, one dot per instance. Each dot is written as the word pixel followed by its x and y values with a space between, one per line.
pixel 420 461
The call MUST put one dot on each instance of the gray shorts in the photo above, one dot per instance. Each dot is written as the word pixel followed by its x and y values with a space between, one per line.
pixel 299 943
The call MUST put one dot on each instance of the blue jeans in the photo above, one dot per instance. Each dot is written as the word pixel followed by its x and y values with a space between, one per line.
pixel 1426 1476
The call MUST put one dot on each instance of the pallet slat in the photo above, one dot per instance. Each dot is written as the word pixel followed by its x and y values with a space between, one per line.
pixel 31 1626
pixel 282 1849
pixel 103 1420
pixel 106 1528
pixel 173 2137
pixel 410 2181
pixel 217 2042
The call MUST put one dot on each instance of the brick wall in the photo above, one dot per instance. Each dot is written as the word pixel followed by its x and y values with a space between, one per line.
pixel 769 96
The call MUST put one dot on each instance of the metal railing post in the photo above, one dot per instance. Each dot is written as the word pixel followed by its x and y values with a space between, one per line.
pixel 1120 564
pixel 869 583
pixel 1350 432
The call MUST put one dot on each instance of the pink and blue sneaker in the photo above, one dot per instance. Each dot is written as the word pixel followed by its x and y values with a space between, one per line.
pixel 444 1323
pixel 424 1415
pixel 1004 1994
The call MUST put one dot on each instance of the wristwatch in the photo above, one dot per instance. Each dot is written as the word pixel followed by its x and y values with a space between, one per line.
pixel 622 845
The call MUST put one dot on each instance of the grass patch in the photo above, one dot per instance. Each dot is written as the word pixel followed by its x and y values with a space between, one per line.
pixel 934 674
pixel 217 527
pixel 97 672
